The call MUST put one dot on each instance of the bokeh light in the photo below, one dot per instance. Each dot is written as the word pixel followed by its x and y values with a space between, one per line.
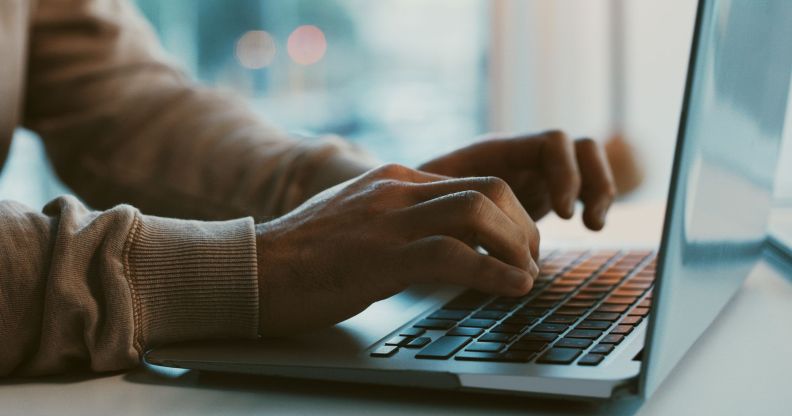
pixel 256 49
pixel 306 45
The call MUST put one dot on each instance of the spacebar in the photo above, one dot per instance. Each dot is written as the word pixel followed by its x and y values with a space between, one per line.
pixel 443 348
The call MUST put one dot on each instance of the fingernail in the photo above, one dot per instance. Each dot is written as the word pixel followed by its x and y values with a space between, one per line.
pixel 569 202
pixel 533 269
pixel 601 215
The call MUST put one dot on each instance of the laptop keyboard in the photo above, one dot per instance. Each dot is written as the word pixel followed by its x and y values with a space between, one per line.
pixel 582 305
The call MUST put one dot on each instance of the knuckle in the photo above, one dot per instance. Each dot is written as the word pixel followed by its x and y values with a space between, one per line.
pixel 495 186
pixel 390 170
pixel 384 185
pixel 472 202
pixel 557 135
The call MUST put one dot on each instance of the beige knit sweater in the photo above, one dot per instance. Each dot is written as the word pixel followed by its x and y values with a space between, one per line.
pixel 93 289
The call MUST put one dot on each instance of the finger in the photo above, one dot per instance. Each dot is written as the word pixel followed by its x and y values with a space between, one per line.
pixel 470 216
pixel 531 190
pixel 448 260
pixel 498 191
pixel 402 173
pixel 597 188
pixel 560 168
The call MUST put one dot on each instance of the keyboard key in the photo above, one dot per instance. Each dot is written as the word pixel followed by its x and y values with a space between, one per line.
pixel 639 311
pixel 570 281
pixel 628 292
pixel 573 343
pixel 602 349
pixel 412 332
pixel 591 359
pixel 613 308
pixel 584 333
pixel 521 320
pixel 467 300
pixel 485 347
pixel 489 315
pixel 443 347
pixel 542 303
pixel 465 332
pixel 560 319
pixel 622 329
pixel 539 336
pixel 646 303
pixel 551 296
pixel 477 323
pixel 434 324
pixel 588 296
pixel 631 320
pixel 580 303
pixel 500 307
pixel 603 316
pixel 534 346
pixel 535 312
pixel 599 325
pixel 596 289
pixel 560 289
pixel 550 328
pixel 517 356
pixel 477 356
pixel 559 356
pixel 398 340
pixel 636 286
pixel 385 351
pixel 571 311
pixel 496 337
pixel 612 339
pixel 419 342
pixel 509 328
pixel 621 300
pixel 453 315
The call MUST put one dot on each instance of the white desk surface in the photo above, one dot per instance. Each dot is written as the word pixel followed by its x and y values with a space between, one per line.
pixel 740 366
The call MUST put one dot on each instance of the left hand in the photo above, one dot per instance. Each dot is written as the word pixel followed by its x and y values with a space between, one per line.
pixel 546 171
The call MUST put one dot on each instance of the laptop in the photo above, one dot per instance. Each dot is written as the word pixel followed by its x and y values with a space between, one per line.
pixel 598 323
pixel 780 239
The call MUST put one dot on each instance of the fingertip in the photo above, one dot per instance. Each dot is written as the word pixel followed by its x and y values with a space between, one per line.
pixel 594 218
pixel 533 269
pixel 566 207
pixel 520 281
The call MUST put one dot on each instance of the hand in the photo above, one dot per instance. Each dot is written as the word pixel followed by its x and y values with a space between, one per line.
pixel 546 171
pixel 372 236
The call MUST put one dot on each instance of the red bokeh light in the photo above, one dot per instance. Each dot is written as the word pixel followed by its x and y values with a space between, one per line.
pixel 307 45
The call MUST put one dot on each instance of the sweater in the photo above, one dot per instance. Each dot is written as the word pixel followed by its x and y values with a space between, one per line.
pixel 174 174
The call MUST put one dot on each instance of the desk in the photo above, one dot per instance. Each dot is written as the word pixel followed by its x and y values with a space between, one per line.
pixel 740 366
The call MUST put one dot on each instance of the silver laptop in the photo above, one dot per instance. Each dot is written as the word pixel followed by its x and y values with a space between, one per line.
pixel 598 323
pixel 780 238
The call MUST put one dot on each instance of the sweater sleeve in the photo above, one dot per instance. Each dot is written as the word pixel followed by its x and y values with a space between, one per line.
pixel 123 125
pixel 81 289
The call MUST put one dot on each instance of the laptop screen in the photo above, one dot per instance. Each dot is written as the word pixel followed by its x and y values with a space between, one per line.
pixel 724 167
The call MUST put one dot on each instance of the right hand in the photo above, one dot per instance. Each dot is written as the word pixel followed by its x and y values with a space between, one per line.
pixel 371 237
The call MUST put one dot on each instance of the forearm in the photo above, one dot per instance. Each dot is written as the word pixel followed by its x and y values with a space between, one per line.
pixel 94 290
pixel 121 124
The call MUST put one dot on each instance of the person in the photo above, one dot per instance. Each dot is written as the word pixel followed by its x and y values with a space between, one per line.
pixel 85 289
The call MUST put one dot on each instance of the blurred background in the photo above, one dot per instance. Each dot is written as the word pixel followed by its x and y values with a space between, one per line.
pixel 409 79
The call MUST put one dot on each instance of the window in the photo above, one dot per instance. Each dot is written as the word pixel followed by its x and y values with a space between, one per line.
pixel 404 78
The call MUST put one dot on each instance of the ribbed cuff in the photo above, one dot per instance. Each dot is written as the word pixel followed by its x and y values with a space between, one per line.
pixel 192 280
